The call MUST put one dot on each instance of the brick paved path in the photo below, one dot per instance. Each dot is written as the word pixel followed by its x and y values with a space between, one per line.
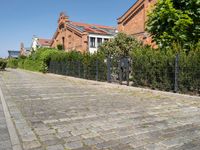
pixel 5 143
pixel 53 113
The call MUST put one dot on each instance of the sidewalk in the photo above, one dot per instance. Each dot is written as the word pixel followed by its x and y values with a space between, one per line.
pixel 5 143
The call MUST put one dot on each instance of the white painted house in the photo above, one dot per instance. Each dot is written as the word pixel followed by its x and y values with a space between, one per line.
pixel 39 43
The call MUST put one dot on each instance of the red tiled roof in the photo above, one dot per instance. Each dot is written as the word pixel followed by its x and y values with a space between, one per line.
pixel 44 42
pixel 90 25
pixel 93 28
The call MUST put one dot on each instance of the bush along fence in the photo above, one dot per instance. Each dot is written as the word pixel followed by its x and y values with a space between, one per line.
pixel 3 64
pixel 155 69
pixel 95 70
pixel 170 73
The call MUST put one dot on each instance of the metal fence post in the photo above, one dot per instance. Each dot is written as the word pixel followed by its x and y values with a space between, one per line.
pixel 84 71
pixel 109 69
pixel 127 71
pixel 97 70
pixel 79 69
pixel 67 68
pixel 120 71
pixel 176 73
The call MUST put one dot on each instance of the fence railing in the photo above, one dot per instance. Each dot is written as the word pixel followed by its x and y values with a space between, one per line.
pixel 123 71
pixel 94 71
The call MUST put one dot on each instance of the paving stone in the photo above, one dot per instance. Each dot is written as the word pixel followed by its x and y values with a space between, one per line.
pixel 5 142
pixel 55 113
pixel 55 147
pixel 92 141
pixel 74 145
pixel 31 145
pixel 72 138
pixel 107 144
pixel 90 135
pixel 63 135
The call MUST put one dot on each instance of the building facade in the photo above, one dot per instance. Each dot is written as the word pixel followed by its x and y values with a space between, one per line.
pixel 13 54
pixel 40 43
pixel 24 51
pixel 132 22
pixel 80 36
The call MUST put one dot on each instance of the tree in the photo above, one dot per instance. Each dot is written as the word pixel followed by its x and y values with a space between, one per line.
pixel 175 21
pixel 120 46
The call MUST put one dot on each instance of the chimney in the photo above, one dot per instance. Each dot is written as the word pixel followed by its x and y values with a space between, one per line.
pixel 63 18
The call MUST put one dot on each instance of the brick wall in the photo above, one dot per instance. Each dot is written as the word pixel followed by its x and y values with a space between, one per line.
pixel 73 40
pixel 133 21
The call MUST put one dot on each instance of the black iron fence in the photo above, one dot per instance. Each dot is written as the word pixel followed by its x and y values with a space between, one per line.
pixel 171 77
pixel 92 71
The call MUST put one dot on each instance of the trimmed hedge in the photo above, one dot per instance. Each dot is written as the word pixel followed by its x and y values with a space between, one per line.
pixel 38 61
pixel 156 69
pixel 3 64
pixel 79 65
pixel 149 68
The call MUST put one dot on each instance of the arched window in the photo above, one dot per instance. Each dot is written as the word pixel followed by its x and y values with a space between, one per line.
pixel 63 42
pixel 61 26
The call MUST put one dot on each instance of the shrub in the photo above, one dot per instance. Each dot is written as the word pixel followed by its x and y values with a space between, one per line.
pixel 149 67
pixel 156 69
pixel 153 68
pixel 3 64
pixel 13 63
pixel 77 64
pixel 60 47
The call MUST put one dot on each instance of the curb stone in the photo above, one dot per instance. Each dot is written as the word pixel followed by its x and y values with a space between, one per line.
pixel 11 128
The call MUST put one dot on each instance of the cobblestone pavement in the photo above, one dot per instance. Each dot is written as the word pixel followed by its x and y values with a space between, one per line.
pixel 5 143
pixel 57 113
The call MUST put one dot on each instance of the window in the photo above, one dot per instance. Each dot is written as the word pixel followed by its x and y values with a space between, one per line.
pixel 106 40
pixel 99 41
pixel 92 42
pixel 63 42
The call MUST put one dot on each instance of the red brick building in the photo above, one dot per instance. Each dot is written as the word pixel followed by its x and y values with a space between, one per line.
pixel 80 36
pixel 133 20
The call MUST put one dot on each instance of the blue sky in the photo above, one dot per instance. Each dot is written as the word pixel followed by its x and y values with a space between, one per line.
pixel 21 19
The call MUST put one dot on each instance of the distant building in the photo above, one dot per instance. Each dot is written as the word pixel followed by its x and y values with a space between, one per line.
pixel 24 51
pixel 40 43
pixel 132 22
pixel 13 54
pixel 80 36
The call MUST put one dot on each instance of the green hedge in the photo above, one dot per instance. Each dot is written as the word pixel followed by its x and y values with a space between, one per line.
pixel 3 64
pixel 156 69
pixel 13 63
pixel 38 61
pixel 79 65
pixel 149 68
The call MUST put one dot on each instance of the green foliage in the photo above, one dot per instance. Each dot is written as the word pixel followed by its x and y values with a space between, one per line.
pixel 149 67
pixel 173 21
pixel 3 64
pixel 120 46
pixel 37 61
pixel 13 63
pixel 79 65
pixel 156 69
pixel 189 77
pixel 153 68
pixel 60 47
